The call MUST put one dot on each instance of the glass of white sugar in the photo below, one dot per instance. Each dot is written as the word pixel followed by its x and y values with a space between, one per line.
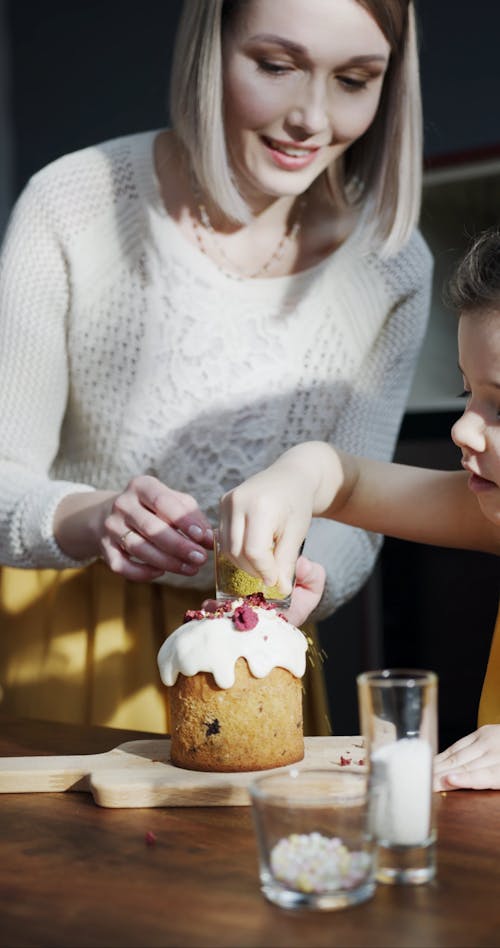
pixel 398 715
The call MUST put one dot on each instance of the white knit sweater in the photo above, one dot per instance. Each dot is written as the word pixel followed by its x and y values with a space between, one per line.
pixel 124 350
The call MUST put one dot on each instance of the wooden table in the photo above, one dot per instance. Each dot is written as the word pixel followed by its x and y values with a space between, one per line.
pixel 75 874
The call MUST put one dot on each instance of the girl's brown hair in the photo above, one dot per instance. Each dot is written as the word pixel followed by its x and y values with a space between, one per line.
pixel 475 285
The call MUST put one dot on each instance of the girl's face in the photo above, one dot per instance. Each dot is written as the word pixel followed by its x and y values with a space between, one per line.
pixel 302 81
pixel 477 432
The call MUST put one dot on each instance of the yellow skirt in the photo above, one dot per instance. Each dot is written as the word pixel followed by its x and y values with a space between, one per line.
pixel 489 705
pixel 80 646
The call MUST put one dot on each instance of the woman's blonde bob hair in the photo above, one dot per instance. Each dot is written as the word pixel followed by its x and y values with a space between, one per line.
pixel 381 172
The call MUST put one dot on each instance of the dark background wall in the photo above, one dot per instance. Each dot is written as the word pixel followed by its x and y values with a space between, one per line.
pixel 86 70
pixel 81 71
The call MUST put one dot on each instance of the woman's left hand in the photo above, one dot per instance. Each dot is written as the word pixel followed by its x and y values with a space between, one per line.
pixel 308 590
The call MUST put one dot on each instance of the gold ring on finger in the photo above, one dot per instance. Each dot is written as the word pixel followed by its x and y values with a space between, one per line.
pixel 123 540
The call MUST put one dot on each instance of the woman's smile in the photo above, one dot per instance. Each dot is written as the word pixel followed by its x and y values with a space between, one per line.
pixel 289 155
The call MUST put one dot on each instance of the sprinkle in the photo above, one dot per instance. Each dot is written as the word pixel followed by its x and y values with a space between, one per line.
pixel 150 838
pixel 344 761
pixel 315 863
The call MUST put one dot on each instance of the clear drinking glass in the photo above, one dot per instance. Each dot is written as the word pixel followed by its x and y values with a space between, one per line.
pixel 398 716
pixel 315 847
pixel 231 582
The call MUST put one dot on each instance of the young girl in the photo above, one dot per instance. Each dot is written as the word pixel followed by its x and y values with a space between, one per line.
pixel 179 307
pixel 265 519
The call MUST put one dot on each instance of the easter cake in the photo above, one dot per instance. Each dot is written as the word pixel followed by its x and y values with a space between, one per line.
pixel 235 691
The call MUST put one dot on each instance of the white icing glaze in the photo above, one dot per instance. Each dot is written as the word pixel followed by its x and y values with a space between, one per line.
pixel 214 645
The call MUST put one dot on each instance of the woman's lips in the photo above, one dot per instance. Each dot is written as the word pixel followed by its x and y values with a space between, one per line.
pixel 288 155
pixel 479 485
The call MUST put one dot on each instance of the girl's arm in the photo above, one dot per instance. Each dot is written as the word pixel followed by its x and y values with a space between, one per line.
pixel 378 332
pixel 264 521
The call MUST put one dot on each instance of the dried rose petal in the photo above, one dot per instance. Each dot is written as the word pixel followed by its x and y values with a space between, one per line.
pixel 225 606
pixel 245 618
pixel 259 600
pixel 194 614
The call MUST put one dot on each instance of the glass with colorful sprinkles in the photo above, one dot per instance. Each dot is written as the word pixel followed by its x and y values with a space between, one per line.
pixel 315 849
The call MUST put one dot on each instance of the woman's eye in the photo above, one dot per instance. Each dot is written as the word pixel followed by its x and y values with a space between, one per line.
pixel 351 84
pixel 275 69
pixel 464 394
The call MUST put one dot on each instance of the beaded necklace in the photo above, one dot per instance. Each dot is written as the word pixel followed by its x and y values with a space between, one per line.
pixel 202 225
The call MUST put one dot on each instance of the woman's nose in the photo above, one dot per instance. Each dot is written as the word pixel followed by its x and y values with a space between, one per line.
pixel 468 432
pixel 309 112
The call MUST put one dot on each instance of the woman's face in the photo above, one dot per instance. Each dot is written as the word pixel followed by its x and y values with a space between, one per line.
pixel 302 81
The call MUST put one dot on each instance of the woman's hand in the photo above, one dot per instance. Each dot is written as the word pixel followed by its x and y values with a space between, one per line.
pixel 141 532
pixel 308 590
pixel 471 763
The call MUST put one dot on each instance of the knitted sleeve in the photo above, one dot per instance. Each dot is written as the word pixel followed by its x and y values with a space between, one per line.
pixel 34 300
pixel 371 418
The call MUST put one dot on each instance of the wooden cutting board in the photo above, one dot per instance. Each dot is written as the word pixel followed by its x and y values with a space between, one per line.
pixel 140 774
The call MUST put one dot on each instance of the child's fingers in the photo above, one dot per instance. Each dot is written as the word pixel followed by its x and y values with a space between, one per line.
pixel 247 529
pixel 286 553
pixel 480 778
pixel 459 753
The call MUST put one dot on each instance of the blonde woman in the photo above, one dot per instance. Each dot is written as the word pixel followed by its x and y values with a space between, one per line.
pixel 179 307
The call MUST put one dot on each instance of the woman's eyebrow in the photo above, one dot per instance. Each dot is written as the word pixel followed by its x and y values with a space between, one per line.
pixel 300 50
pixel 279 41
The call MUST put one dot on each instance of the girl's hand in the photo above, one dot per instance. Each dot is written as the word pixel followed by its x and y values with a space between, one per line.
pixel 471 763
pixel 264 521
pixel 141 532
pixel 308 590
